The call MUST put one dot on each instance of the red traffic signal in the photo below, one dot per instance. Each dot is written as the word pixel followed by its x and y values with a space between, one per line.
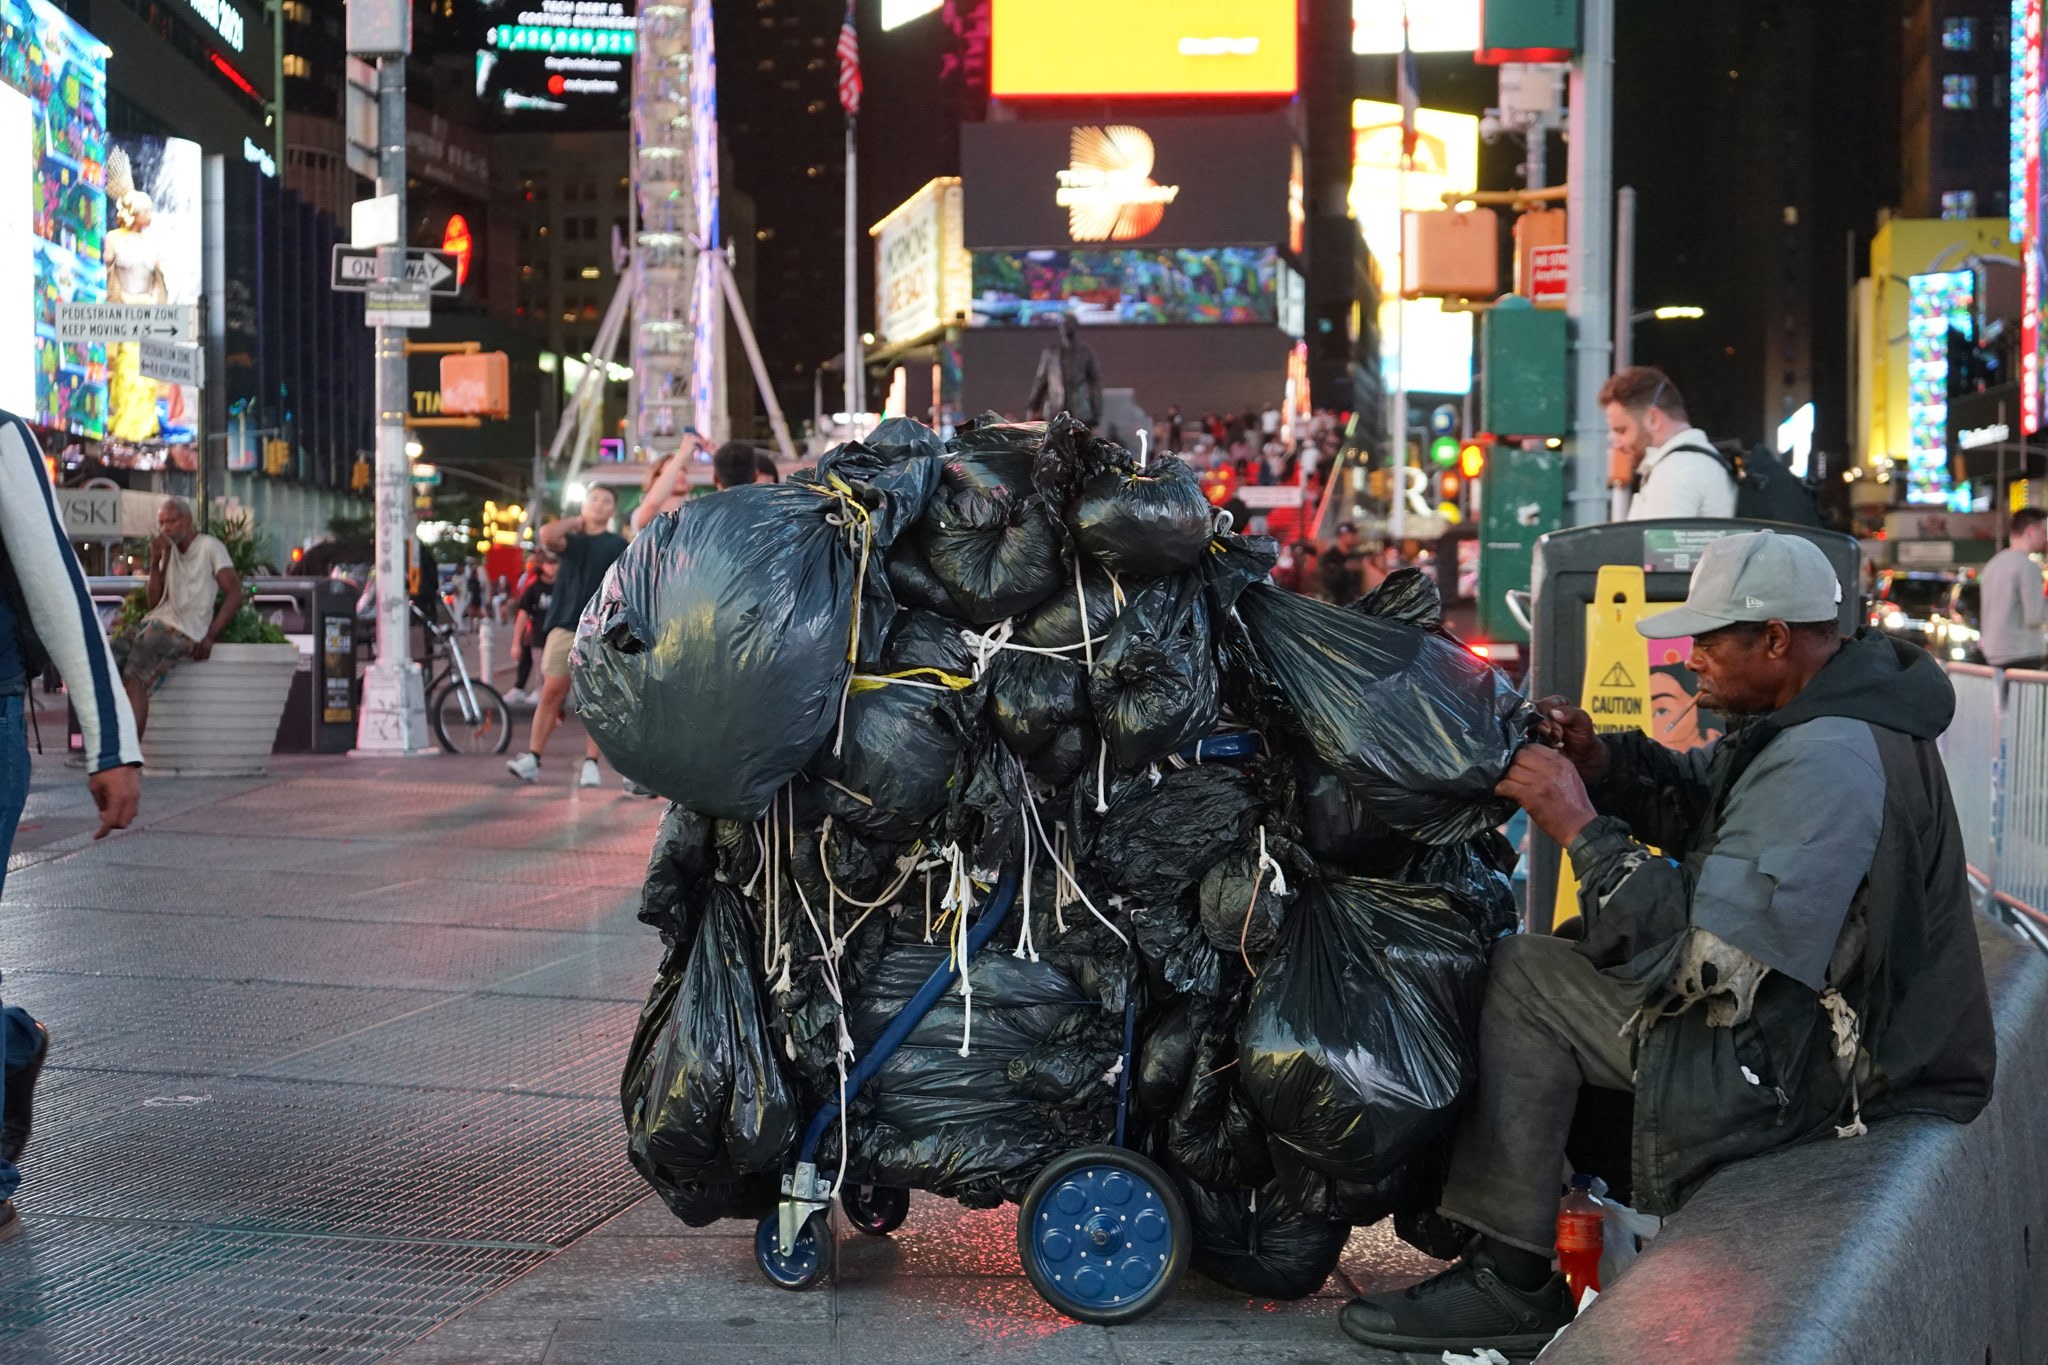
pixel 1472 459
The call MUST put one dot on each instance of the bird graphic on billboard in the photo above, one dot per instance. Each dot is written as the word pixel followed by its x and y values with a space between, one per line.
pixel 1107 189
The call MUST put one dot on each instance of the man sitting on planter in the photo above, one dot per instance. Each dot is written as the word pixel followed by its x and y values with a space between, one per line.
pixel 188 570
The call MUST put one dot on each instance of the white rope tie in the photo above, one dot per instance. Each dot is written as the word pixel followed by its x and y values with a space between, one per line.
pixel 1025 947
pixel 959 901
pixel 1848 1034
pixel 1258 879
pixel 1102 779
pixel 1031 805
pixel 906 867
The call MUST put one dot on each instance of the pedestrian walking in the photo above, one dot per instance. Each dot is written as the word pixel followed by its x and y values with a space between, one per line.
pixel 529 617
pixel 1792 897
pixel 1668 462
pixel 585 546
pixel 2014 614
pixel 47 618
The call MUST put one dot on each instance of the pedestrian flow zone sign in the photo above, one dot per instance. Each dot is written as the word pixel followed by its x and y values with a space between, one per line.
pixel 96 323
pixel 397 305
pixel 355 269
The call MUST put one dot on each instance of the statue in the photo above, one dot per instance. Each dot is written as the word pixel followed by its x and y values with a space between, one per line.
pixel 1068 379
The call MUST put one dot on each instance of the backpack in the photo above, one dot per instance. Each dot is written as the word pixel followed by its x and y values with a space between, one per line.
pixel 1765 490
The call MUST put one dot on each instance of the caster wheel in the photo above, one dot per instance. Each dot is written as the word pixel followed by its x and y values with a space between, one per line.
pixel 808 1261
pixel 1103 1235
pixel 877 1210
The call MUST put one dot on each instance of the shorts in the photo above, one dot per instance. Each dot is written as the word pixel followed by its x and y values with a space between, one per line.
pixel 146 653
pixel 554 658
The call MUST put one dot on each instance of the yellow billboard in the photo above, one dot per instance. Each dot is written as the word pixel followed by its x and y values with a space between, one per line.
pixel 1141 47
pixel 1435 347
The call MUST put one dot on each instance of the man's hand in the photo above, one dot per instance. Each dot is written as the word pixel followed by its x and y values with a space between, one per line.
pixel 1570 731
pixel 160 550
pixel 202 650
pixel 1544 783
pixel 118 793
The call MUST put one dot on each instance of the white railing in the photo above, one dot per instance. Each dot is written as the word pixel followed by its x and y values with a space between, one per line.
pixel 1996 753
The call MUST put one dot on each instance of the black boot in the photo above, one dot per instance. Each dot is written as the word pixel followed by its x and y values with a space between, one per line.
pixel 1465 1308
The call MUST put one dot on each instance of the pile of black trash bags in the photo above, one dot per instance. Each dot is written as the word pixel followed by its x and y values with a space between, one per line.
pixel 871 689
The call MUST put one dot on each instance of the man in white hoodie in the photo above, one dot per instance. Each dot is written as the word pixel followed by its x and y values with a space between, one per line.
pixel 1658 452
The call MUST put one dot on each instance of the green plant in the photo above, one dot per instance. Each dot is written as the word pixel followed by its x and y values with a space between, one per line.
pixel 248 628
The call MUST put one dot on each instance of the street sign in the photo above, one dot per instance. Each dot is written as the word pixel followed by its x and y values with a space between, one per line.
pixel 397 305
pixel 1443 420
pixel 173 362
pixel 91 323
pixel 355 268
pixel 1550 273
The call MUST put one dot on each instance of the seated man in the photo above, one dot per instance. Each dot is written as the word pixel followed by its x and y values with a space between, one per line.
pixel 188 570
pixel 1807 964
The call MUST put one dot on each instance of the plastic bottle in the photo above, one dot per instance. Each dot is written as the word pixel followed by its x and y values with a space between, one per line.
pixel 1578 1237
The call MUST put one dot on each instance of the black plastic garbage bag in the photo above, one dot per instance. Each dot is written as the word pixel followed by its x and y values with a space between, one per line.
pixel 1409 596
pixel 1242 1241
pixel 989 539
pixel 1154 685
pixel 710 664
pixel 925 639
pixel 1056 622
pixel 1420 728
pixel 1358 1044
pixel 1166 1055
pixel 904 437
pixel 1033 698
pixel 1338 826
pixel 912 580
pixel 1213 1133
pixel 1143 525
pixel 703 1092
pixel 1245 897
pixel 957 1126
pixel 894 481
pixel 676 869
pixel 900 753
pixel 1158 840
pixel 1235 562
pixel 1169 936
pixel 1478 872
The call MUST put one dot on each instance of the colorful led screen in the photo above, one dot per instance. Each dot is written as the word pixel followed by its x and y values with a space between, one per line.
pixel 1131 287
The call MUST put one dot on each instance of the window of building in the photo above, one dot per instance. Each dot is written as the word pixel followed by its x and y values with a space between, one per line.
pixel 295 65
pixel 1959 204
pixel 569 232
pixel 296 12
pixel 590 227
pixel 1959 92
pixel 1957 34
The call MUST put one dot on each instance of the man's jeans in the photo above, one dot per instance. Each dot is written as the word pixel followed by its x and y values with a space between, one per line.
pixel 18 1039
pixel 1552 1023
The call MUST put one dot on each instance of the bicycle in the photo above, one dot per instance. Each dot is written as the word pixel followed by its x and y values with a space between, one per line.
pixel 468 716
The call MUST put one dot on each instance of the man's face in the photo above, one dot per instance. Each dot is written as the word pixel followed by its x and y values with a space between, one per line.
pixel 175 522
pixel 2035 540
pixel 547 571
pixel 1741 671
pixel 1347 541
pixel 1627 435
pixel 598 506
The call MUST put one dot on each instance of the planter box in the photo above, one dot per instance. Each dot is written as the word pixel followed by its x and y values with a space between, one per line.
pixel 219 718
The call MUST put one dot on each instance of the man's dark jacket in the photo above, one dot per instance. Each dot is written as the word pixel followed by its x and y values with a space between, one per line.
pixel 1838 864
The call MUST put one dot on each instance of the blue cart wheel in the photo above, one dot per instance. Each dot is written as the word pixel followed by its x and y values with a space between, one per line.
pixel 808 1261
pixel 877 1210
pixel 1103 1235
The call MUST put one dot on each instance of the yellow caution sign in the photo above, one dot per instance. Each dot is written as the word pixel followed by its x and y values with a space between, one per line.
pixel 1615 690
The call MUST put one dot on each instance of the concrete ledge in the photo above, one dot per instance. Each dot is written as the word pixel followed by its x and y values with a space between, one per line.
pixel 1911 1245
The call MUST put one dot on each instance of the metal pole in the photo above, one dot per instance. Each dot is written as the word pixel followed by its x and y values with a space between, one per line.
pixel 1590 204
pixel 1624 277
pixel 856 364
pixel 394 716
pixel 715 261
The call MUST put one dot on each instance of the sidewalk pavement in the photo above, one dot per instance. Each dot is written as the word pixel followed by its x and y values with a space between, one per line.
pixel 334 1077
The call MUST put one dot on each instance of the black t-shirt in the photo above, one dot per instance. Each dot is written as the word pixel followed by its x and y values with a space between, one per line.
pixel 533 603
pixel 579 570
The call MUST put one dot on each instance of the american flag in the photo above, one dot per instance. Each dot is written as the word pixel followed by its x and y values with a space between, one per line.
pixel 1410 95
pixel 849 65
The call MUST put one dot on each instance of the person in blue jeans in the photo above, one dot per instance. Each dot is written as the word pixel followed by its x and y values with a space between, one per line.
pixel 47 618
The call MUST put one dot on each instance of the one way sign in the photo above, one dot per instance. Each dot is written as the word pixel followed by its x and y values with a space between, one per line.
pixel 355 269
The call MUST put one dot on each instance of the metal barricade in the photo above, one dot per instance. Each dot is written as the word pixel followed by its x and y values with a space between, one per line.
pixel 1996 754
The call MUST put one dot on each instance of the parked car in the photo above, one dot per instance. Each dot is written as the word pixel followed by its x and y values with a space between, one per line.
pixel 1937 610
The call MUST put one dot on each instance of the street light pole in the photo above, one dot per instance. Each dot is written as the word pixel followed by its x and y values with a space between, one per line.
pixel 394 715
pixel 1590 204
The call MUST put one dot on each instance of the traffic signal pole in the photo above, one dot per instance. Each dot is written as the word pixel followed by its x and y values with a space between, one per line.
pixel 1590 204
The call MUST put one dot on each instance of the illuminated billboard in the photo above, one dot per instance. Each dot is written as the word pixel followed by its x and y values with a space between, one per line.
pixel 1128 287
pixel 1438 26
pixel 1421 346
pixel 153 255
pixel 1091 48
pixel 562 61
pixel 2026 185
pixel 63 71
pixel 17 249
pixel 1223 180
pixel 921 270
pixel 1937 304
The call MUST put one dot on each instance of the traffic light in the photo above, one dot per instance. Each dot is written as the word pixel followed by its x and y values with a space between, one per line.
pixel 1472 459
pixel 1443 451
pixel 359 475
pixel 1448 486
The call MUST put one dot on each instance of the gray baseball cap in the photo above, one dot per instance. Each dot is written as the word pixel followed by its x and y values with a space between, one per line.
pixel 1757 576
